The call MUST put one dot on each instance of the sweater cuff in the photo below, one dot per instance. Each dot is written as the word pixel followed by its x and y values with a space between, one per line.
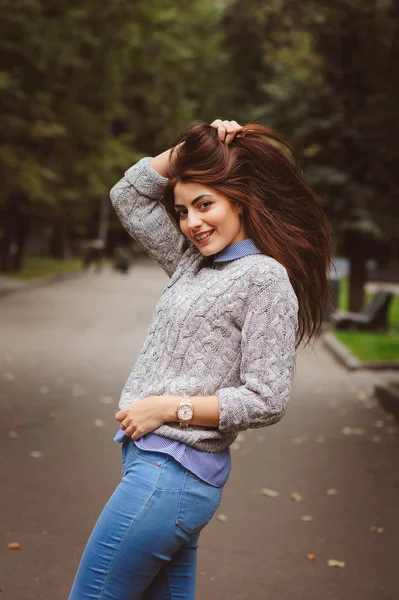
pixel 232 413
pixel 145 179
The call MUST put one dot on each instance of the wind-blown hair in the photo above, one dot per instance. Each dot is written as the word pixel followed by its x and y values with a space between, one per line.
pixel 281 214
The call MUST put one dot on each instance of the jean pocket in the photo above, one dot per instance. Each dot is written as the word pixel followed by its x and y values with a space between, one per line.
pixel 198 503
pixel 153 458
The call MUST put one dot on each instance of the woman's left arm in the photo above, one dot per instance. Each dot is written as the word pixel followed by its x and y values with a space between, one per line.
pixel 268 353
pixel 148 414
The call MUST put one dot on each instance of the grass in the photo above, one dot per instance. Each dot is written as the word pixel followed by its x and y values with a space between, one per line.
pixel 36 267
pixel 368 346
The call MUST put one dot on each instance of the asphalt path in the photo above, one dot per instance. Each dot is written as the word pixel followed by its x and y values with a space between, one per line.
pixel 65 353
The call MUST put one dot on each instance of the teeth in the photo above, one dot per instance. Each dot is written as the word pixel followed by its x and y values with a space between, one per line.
pixel 203 236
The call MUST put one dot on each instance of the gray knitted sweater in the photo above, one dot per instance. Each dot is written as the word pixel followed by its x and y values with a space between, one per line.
pixel 227 330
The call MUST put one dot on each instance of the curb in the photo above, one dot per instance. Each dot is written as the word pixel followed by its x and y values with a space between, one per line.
pixel 346 358
pixel 43 281
pixel 388 398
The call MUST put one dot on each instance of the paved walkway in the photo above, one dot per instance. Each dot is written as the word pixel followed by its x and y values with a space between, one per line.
pixel 65 352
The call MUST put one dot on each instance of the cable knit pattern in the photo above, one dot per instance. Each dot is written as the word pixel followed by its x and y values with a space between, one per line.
pixel 227 331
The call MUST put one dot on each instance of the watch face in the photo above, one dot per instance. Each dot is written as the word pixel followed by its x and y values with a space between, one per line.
pixel 185 412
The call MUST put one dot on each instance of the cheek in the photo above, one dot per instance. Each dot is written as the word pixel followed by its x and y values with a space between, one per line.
pixel 227 219
pixel 183 227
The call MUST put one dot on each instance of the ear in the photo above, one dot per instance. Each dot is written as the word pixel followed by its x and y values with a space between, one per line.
pixel 238 208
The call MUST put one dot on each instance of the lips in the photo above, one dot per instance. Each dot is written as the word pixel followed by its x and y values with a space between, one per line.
pixel 203 237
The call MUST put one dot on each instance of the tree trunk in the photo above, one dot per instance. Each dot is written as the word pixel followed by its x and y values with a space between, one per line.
pixel 15 235
pixel 60 242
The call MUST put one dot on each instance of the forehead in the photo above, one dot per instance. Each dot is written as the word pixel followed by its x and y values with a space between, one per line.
pixel 187 191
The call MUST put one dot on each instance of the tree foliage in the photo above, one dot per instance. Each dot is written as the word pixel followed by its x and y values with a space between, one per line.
pixel 87 89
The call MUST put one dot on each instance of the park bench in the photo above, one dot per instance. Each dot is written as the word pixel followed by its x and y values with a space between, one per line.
pixel 373 318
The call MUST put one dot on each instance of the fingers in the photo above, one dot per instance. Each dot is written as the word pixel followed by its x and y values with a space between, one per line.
pixel 131 426
pixel 227 130
pixel 121 415
pixel 133 431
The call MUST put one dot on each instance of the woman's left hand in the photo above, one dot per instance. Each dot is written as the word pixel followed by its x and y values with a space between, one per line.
pixel 143 416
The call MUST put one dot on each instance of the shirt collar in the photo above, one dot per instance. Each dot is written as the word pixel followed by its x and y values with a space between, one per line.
pixel 237 250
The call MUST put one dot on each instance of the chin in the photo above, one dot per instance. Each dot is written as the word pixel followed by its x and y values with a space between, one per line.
pixel 206 251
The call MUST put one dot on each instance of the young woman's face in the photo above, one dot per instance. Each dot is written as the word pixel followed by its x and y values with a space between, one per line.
pixel 207 218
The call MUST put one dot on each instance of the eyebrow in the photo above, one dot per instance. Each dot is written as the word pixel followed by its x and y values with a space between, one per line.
pixel 197 199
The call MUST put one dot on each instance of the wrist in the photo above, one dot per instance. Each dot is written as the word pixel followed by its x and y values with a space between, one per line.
pixel 169 406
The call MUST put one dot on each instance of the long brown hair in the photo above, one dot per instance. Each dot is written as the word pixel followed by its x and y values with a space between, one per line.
pixel 282 215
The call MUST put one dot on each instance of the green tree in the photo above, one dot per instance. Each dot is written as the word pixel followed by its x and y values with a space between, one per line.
pixel 86 91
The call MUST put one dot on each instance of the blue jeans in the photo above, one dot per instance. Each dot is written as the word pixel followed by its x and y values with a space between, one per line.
pixel 144 545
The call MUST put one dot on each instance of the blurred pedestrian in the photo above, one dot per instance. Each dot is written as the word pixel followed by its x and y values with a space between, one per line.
pixel 122 259
pixel 246 244
pixel 93 254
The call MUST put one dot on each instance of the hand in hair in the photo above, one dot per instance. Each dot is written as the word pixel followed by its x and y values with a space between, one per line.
pixel 227 130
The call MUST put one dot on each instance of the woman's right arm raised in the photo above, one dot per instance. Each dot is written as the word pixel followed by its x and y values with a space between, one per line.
pixel 136 200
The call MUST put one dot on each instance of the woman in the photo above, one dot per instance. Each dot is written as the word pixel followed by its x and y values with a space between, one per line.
pixel 246 245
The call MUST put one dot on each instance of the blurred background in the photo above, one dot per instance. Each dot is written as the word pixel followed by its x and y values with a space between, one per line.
pixel 86 89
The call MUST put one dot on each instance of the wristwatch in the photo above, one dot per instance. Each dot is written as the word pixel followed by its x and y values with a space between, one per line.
pixel 185 411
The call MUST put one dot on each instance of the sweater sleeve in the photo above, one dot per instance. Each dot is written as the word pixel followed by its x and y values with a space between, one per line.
pixel 268 350
pixel 136 200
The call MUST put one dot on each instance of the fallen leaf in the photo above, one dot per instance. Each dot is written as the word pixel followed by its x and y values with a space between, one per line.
pixel 299 439
pixel 269 493
pixel 335 563
pixel 296 497
pixel 377 529
pixel 13 434
pixel 320 439
pixel 98 423
pixel 107 400
pixel 222 518
pixel 14 546
pixel 244 452
pixel 44 389
pixel 379 424
pixel 306 518
pixel 311 556
pixel 36 454
pixel 376 438
pixel 331 492
pixel 354 431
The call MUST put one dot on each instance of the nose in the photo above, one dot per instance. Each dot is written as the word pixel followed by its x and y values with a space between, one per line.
pixel 194 220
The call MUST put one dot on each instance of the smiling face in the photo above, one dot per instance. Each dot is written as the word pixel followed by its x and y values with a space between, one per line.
pixel 207 218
